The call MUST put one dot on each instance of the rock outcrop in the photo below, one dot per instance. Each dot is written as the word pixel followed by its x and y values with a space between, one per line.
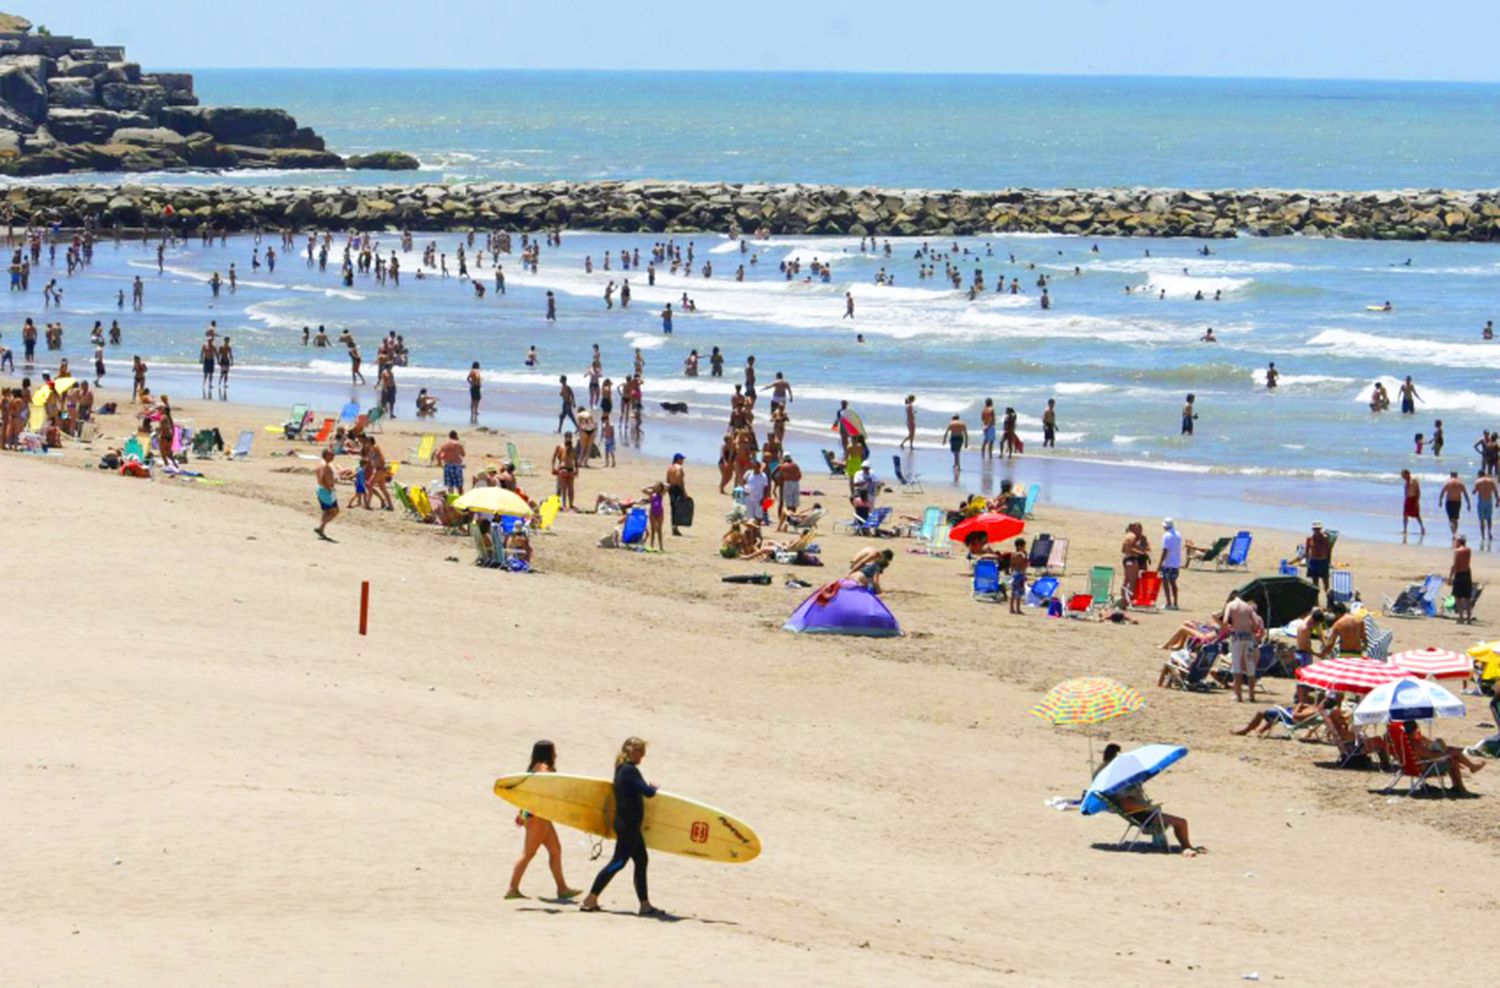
pixel 62 100
pixel 390 161
pixel 671 207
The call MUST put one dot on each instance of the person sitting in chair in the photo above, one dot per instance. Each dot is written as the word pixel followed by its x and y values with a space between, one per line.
pixel 1302 711
pixel 1434 751
pixel 1138 809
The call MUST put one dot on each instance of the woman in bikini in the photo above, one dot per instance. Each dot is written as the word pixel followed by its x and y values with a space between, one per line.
pixel 540 833
pixel 565 468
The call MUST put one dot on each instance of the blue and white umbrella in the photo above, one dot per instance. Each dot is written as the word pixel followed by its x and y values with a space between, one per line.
pixel 1129 768
pixel 1407 699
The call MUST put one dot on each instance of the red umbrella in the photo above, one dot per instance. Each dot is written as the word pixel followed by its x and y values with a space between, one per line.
pixel 1439 663
pixel 1350 675
pixel 995 527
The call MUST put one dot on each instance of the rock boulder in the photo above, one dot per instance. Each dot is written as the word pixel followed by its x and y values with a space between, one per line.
pixel 22 92
pixel 91 125
pixel 394 161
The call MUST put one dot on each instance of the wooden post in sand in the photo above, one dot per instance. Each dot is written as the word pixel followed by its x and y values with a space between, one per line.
pixel 364 606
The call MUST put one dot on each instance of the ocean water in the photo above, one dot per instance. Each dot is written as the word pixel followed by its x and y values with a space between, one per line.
pixel 1118 363
pixel 929 131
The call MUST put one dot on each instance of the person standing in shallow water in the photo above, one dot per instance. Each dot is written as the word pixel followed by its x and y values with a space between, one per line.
pixel 631 792
pixel 957 438
pixel 1189 415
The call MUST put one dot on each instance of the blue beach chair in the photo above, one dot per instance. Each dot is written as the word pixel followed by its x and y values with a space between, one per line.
pixel 987 581
pixel 932 517
pixel 349 413
pixel 1041 591
pixel 871 525
pixel 1239 553
pixel 1033 493
pixel 242 445
pixel 911 483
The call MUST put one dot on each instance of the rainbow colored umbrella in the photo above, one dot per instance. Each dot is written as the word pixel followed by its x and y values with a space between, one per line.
pixel 1088 700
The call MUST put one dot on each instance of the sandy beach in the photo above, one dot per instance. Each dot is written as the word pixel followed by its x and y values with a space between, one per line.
pixel 213 779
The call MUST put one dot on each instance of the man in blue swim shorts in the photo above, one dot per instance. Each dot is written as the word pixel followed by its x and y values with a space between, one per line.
pixel 328 501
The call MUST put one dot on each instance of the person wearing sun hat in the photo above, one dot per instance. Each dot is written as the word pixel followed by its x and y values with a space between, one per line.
pixel 1170 563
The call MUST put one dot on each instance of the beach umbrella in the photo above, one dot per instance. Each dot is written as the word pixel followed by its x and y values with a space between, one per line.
pixel 1087 700
pixel 1434 663
pixel 1129 768
pixel 1349 675
pixel 1407 699
pixel 494 501
pixel 1279 599
pixel 39 396
pixel 995 526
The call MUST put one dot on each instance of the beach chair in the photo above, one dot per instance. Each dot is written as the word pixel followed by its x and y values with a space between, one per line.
pixel 204 442
pixel 1308 727
pixel 242 445
pixel 1079 605
pixel 1239 553
pixel 376 416
pixel 1191 669
pixel 911 483
pixel 324 432
pixel 349 413
pixel 1033 493
pixel 1450 603
pixel 871 525
pixel 523 467
pixel 1041 591
pixel 1147 591
pixel 1417 600
pixel 421 454
pixel 296 428
pixel 422 503
pixel 1140 828
pixel 1041 551
pixel 135 450
pixel 403 497
pixel 1421 770
pixel 932 517
pixel 1212 553
pixel 987 584
pixel 940 545
pixel 1287 569
pixel 547 513
pixel 486 555
pixel 1340 586
pixel 633 533
pixel 1057 560
pixel 834 470
pixel 295 418
pixel 1101 583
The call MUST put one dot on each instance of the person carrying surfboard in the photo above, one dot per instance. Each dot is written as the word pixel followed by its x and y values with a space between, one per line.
pixel 631 792
pixel 540 833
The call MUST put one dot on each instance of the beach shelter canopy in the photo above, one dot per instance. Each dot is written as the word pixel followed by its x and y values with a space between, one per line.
pixel 1407 699
pixel 1350 675
pixel 1129 768
pixel 1279 599
pixel 995 526
pixel 844 608
pixel 494 501
pixel 1438 663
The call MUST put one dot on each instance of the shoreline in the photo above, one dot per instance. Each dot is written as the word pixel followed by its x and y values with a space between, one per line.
pixel 641 206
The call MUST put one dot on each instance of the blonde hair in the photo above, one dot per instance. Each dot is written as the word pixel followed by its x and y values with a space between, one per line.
pixel 626 747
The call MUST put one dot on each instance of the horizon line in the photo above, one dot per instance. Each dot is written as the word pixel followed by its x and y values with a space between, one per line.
pixel 1226 77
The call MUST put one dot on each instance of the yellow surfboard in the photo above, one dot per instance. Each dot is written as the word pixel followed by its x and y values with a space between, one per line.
pixel 673 824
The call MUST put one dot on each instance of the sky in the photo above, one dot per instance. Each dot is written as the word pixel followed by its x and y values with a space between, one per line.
pixel 1374 39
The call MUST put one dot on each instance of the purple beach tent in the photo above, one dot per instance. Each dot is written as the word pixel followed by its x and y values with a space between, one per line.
pixel 850 610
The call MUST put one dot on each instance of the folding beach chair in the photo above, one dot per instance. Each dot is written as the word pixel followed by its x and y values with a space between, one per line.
pixel 324 432
pixel 404 498
pixel 205 441
pixel 1033 493
pixel 523 467
pixel 1409 765
pixel 634 531
pixel 911 483
pixel 940 545
pixel 420 503
pixel 870 525
pixel 349 413
pixel 1212 553
pixel 1147 590
pixel 1191 668
pixel 1417 600
pixel 1057 560
pixel 1101 582
pixel 375 417
pixel 484 555
pixel 295 418
pixel 135 450
pixel 242 445
pixel 1041 591
pixel 1140 828
pixel 834 470
pixel 932 517
pixel 1287 569
pixel 1079 605
pixel 1238 555
pixel 987 585
pixel 421 454
pixel 1041 551
pixel 295 429
pixel 1340 586
pixel 547 512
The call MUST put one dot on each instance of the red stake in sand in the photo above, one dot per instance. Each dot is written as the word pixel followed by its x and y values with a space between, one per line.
pixel 364 606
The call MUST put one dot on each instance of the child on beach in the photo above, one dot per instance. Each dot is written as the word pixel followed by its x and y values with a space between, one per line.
pixel 608 432
pixel 657 514
pixel 1419 439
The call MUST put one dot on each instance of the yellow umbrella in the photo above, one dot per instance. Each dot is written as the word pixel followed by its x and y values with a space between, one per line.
pixel 494 501
pixel 1087 701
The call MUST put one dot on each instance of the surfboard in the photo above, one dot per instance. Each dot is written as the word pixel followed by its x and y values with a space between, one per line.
pixel 1376 308
pixel 673 824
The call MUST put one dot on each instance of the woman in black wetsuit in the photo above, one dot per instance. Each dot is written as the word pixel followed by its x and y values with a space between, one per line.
pixel 631 793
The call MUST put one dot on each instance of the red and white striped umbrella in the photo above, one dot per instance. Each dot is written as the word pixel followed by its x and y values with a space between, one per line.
pixel 1350 675
pixel 1439 663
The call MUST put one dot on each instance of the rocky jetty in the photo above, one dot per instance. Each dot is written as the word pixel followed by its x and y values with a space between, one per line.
pixel 67 104
pixel 642 206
